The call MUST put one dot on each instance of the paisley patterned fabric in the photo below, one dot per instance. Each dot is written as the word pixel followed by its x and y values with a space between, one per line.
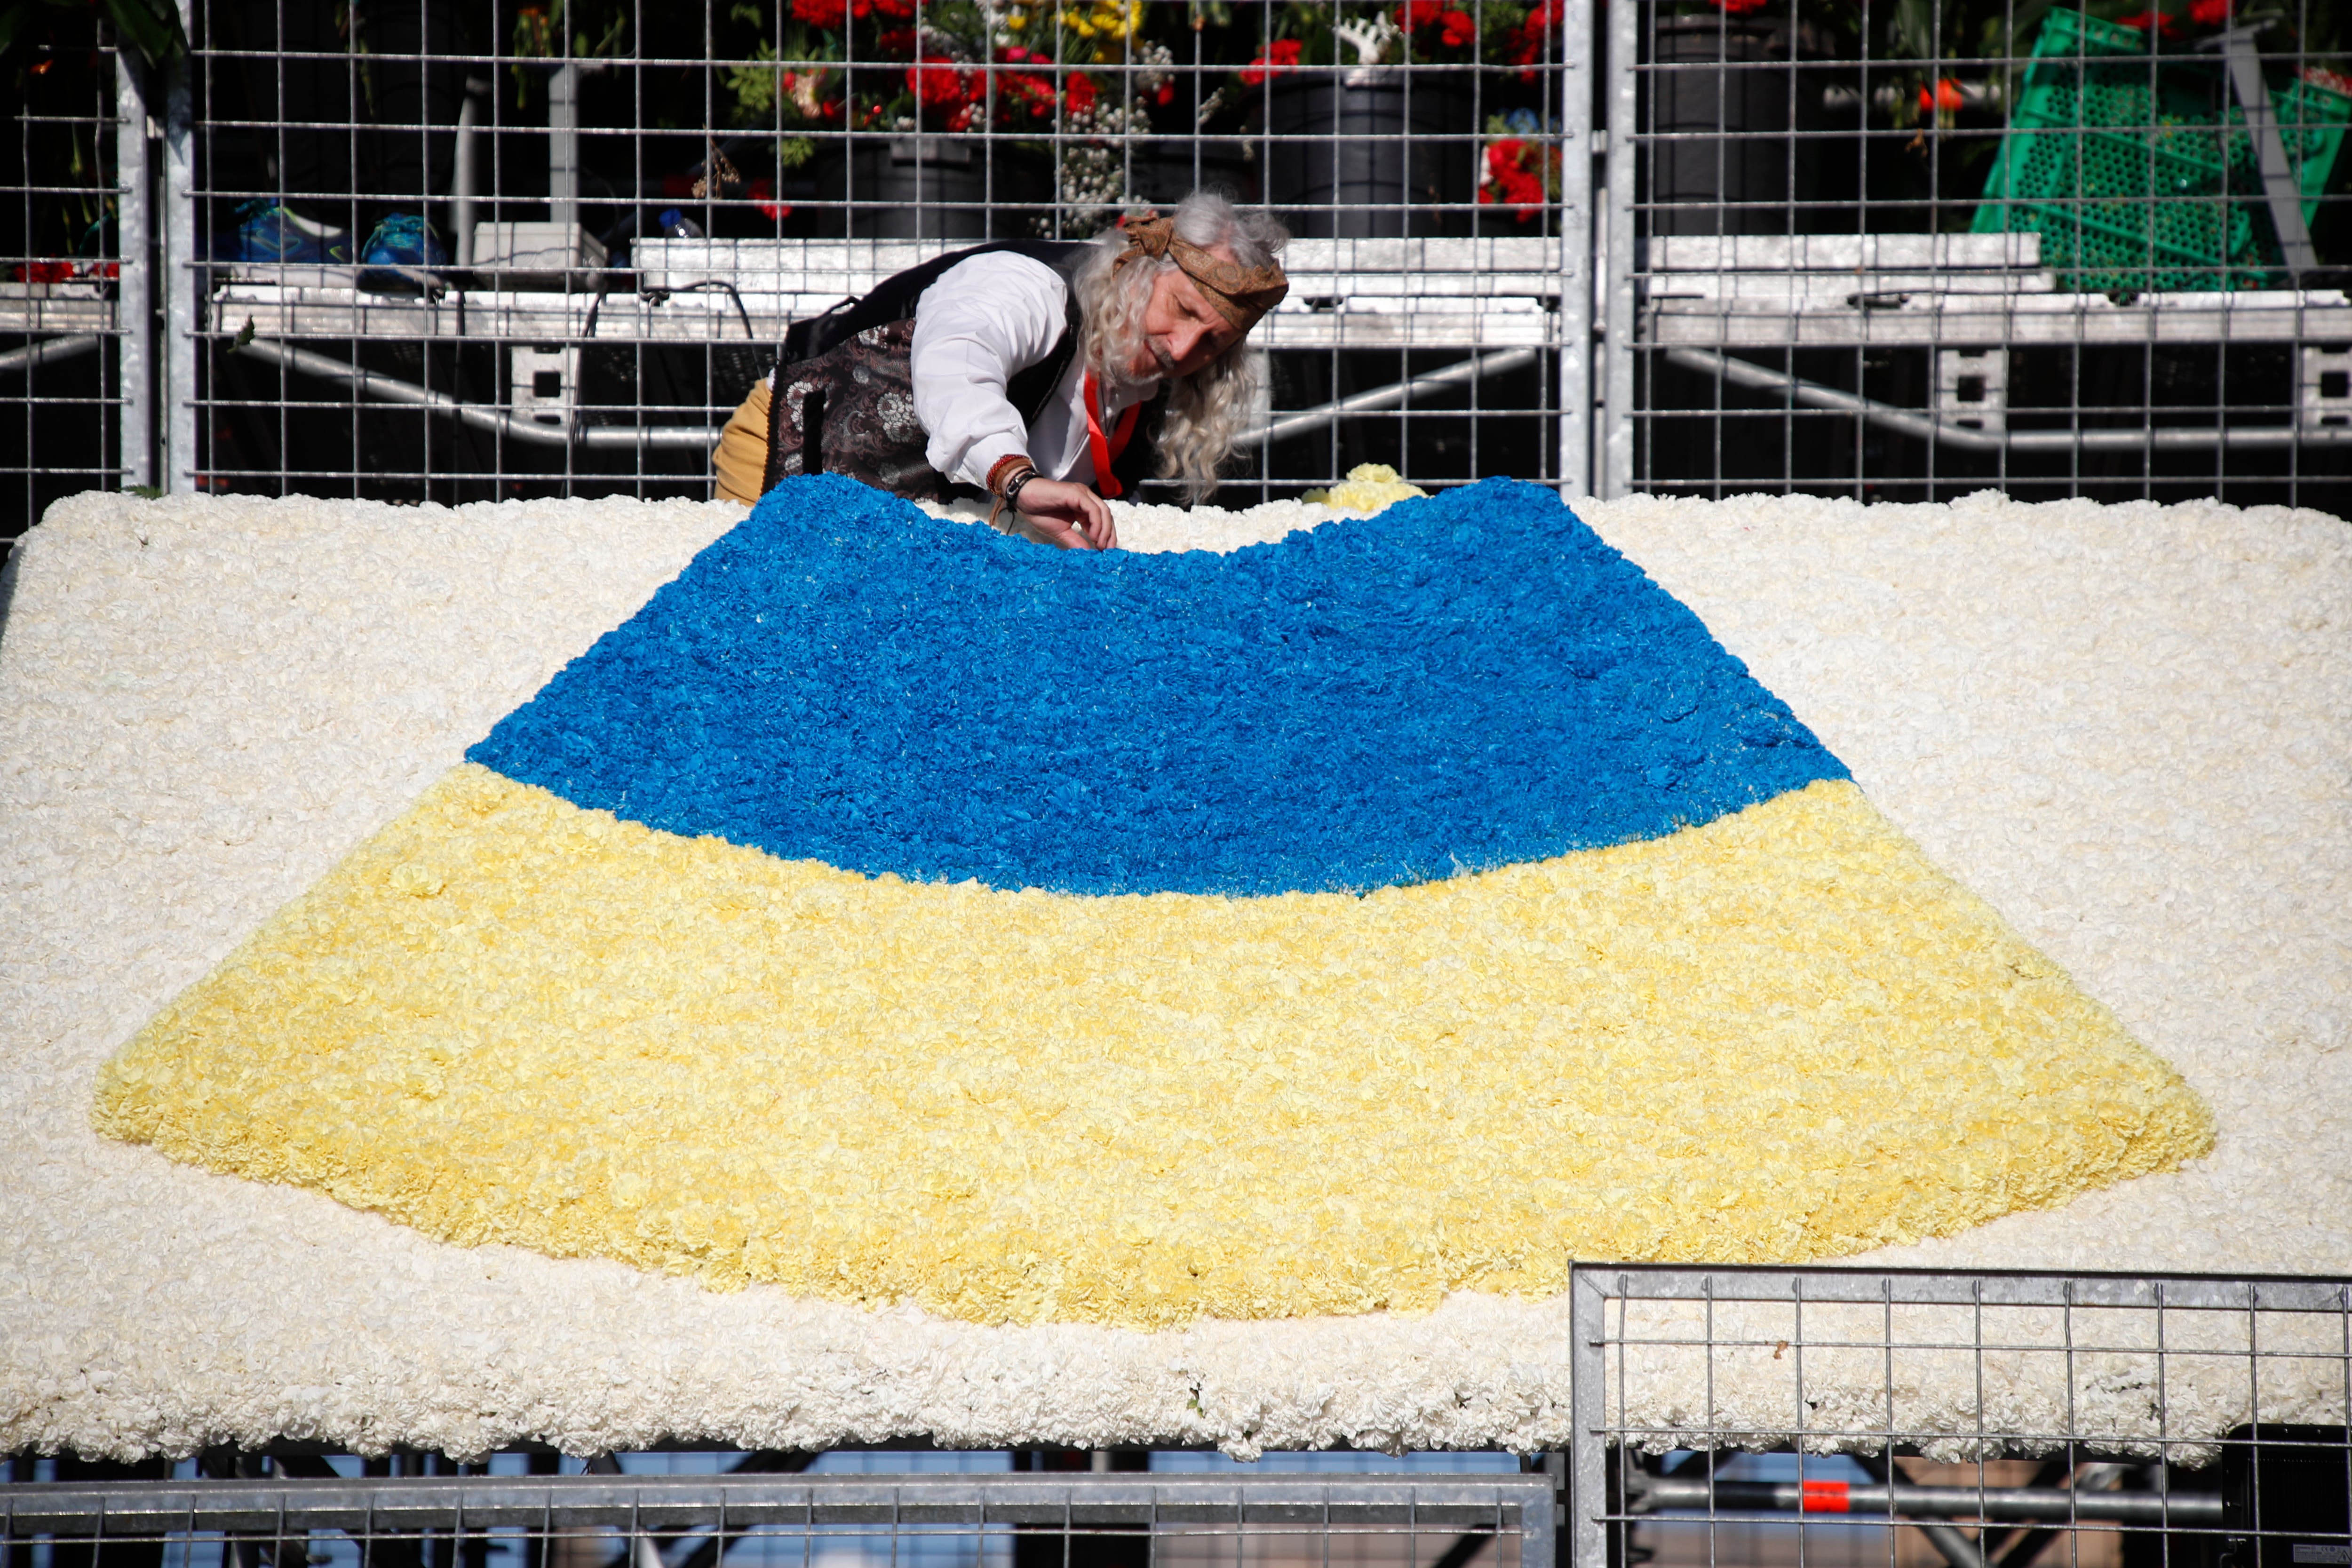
pixel 869 430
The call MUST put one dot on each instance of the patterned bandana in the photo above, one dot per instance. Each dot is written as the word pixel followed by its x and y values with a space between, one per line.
pixel 1241 294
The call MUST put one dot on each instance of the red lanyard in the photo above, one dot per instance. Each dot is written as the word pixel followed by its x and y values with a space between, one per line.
pixel 1106 453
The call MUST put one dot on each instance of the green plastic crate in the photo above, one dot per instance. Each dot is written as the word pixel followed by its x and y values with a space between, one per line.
pixel 2137 172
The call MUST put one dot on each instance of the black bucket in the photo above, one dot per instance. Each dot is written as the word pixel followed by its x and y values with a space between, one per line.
pixel 1367 153
pixel 933 187
pixel 1722 94
pixel 1165 171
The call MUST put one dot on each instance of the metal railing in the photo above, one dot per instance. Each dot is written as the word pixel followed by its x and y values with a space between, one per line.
pixel 1765 1416
pixel 1848 1415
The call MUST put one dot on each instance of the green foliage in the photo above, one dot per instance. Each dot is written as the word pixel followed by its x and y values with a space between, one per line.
pixel 152 27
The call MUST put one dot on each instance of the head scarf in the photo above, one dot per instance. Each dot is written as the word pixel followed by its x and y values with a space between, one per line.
pixel 1241 294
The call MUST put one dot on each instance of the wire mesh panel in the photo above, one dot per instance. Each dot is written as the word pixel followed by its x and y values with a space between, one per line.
pixel 846 1520
pixel 469 248
pixel 1774 1415
pixel 64 194
pixel 1910 251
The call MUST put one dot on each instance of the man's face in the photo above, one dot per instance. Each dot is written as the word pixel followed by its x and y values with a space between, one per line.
pixel 1182 332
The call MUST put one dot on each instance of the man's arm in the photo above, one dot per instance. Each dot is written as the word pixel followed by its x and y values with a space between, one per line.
pixel 984 322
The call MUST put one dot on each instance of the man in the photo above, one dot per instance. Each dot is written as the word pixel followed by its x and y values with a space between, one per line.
pixel 1049 375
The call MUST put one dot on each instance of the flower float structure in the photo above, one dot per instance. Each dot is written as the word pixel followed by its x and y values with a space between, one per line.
pixel 898 912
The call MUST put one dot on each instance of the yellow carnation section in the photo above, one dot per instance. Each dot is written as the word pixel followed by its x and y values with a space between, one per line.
pixel 1784 1036
pixel 1369 486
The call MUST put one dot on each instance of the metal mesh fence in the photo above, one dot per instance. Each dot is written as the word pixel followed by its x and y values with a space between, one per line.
pixel 311 1516
pixel 469 248
pixel 64 288
pixel 1915 250
pixel 457 251
pixel 1848 1417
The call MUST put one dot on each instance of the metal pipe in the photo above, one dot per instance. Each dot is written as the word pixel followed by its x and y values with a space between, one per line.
pixel 496 421
pixel 2030 1504
pixel 1389 396
pixel 1954 1549
pixel 1925 426
pixel 48 351
pixel 465 186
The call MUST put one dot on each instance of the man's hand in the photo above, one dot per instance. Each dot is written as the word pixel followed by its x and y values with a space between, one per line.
pixel 1066 516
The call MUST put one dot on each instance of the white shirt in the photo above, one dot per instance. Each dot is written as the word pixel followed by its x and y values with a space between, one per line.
pixel 984 322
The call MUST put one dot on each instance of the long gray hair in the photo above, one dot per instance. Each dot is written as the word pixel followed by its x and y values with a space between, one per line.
pixel 1208 410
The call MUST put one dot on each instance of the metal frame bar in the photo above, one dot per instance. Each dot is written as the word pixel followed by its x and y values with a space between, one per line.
pixel 1521 1504
pixel 179 275
pixel 1925 426
pixel 1624 99
pixel 135 365
pixel 1576 258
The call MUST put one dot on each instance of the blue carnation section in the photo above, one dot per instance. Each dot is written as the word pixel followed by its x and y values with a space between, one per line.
pixel 1460 683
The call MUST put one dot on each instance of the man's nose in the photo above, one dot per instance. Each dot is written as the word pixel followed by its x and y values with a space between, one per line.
pixel 1184 340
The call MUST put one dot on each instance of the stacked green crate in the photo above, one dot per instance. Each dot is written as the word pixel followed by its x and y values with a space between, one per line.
pixel 2137 172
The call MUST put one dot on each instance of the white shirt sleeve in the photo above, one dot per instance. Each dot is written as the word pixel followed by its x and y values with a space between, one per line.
pixel 985 321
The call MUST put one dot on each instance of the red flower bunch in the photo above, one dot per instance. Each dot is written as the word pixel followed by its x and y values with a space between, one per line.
pixel 1514 176
pixel 1455 28
pixel 1740 7
pixel 1946 96
pixel 1525 46
pixel 1277 57
pixel 46 272
pixel 1080 94
pixel 950 91
pixel 2209 13
pixel 1017 90
pixel 764 196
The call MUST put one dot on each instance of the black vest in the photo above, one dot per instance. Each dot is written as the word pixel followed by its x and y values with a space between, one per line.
pixel 896 297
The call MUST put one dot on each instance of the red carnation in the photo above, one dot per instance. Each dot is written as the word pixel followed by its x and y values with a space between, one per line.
pixel 2209 13
pixel 1080 93
pixel 936 85
pixel 1277 57
pixel 763 197
pixel 1945 96
pixel 828 15
pixel 1528 46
